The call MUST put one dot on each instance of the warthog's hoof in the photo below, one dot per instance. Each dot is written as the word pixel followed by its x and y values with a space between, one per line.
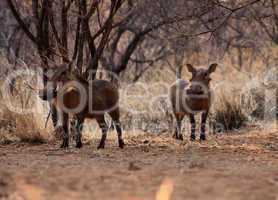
pixel 192 137
pixel 202 137
pixel 79 144
pixel 121 144
pixel 65 144
pixel 178 136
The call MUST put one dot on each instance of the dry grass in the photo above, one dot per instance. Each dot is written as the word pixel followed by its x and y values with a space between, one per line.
pixel 19 125
pixel 144 105
pixel 23 127
pixel 228 114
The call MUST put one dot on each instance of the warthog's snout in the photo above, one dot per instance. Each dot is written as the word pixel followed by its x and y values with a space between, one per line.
pixel 196 89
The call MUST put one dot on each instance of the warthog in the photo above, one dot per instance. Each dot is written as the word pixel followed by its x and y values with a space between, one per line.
pixel 83 99
pixel 189 98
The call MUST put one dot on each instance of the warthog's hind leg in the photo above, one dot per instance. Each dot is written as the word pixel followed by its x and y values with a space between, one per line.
pixel 119 132
pixel 78 131
pixel 65 143
pixel 115 115
pixel 104 128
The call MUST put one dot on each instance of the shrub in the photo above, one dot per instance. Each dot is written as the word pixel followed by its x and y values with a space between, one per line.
pixel 18 125
pixel 228 114
pixel 260 96
pixel 21 127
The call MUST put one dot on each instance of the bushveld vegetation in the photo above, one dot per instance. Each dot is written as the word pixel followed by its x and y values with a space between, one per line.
pixel 144 43
pixel 142 47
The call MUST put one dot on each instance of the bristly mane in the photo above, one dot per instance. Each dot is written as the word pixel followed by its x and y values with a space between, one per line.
pixel 80 78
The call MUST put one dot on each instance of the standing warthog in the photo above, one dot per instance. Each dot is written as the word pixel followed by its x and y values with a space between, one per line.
pixel 83 99
pixel 189 98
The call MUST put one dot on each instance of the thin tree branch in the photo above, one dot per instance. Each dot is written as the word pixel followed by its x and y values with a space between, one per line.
pixel 21 22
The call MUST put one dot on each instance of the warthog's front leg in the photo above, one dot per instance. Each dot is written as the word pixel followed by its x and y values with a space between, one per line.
pixel 203 125
pixel 120 134
pixel 178 133
pixel 65 143
pixel 78 131
pixel 193 127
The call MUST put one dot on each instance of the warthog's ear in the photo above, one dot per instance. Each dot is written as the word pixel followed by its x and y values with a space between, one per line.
pixel 190 68
pixel 212 68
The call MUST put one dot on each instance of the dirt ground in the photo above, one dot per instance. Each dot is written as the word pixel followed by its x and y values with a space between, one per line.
pixel 232 166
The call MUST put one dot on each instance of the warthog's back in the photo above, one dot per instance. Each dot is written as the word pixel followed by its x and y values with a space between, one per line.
pixel 104 95
pixel 100 96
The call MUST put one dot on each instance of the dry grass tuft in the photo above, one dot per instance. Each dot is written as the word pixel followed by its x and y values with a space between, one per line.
pixel 228 113
pixel 23 127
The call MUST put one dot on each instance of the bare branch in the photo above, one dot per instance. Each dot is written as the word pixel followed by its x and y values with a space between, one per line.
pixel 21 22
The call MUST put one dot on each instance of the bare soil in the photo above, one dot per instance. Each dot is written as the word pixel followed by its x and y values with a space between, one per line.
pixel 233 166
